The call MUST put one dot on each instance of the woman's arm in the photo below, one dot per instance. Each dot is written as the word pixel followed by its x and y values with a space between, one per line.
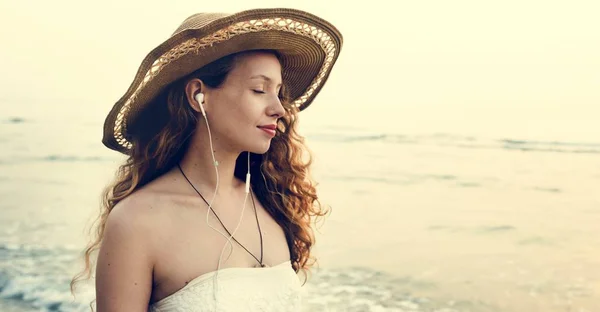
pixel 125 265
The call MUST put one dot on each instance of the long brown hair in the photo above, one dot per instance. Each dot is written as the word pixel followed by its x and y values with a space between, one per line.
pixel 280 178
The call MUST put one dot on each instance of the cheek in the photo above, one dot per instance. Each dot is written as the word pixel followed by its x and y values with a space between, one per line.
pixel 249 108
pixel 238 111
pixel 234 120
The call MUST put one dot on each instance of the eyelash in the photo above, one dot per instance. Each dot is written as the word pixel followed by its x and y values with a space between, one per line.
pixel 263 92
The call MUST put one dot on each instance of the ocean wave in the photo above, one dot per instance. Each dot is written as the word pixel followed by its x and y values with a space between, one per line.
pixel 407 179
pixel 363 289
pixel 15 120
pixel 37 293
pixel 459 141
pixel 15 159
pixel 38 278
pixel 551 146
pixel 70 158
pixel 351 138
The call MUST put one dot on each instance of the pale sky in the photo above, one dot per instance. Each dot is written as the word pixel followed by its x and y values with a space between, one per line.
pixel 525 69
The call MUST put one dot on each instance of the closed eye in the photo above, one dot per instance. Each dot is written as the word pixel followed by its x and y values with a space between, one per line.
pixel 279 95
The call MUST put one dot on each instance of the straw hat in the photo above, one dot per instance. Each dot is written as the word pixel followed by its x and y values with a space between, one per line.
pixel 308 45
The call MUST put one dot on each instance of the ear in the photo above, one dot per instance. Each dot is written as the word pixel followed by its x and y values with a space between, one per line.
pixel 193 87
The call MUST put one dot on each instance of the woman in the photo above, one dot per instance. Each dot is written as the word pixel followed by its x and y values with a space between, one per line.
pixel 212 209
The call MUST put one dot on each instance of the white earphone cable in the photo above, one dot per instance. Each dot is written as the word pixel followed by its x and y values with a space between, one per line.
pixel 200 100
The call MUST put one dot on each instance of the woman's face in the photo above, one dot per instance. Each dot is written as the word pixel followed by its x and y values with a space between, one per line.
pixel 247 103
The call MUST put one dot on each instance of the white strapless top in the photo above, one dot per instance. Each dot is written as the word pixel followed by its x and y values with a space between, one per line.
pixel 276 288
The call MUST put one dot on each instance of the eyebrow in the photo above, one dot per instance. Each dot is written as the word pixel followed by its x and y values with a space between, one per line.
pixel 263 77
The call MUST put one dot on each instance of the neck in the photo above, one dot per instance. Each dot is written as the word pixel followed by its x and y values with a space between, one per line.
pixel 197 164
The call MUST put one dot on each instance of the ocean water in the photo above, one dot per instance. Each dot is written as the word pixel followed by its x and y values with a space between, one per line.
pixel 419 221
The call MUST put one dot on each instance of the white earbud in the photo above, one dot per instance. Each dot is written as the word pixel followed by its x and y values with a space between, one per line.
pixel 200 99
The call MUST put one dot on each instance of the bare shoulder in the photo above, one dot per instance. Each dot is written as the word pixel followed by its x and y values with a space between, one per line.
pixel 134 218
pixel 138 209
pixel 126 256
pixel 140 218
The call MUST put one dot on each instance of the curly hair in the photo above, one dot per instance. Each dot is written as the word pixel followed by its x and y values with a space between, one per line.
pixel 280 177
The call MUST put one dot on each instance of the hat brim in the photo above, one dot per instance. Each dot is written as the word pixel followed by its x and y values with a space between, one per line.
pixel 308 46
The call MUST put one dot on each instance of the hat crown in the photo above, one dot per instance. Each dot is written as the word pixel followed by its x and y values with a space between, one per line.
pixel 198 20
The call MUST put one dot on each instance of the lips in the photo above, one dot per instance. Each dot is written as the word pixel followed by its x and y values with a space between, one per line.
pixel 269 127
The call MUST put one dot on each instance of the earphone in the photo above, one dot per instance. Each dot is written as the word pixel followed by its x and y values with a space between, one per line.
pixel 199 97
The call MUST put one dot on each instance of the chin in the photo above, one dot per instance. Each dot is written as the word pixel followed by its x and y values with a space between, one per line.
pixel 260 149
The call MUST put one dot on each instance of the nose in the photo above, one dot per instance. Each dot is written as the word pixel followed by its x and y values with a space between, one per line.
pixel 276 108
